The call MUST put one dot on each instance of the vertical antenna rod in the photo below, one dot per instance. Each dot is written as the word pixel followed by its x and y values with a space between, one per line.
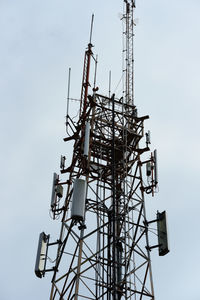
pixel 86 73
pixel 91 28
pixel 68 92
pixel 109 92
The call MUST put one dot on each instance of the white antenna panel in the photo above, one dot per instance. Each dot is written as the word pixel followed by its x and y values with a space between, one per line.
pixel 53 195
pixel 41 255
pixel 87 139
pixel 155 166
pixel 78 200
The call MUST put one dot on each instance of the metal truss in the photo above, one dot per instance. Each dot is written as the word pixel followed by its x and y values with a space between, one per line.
pixel 128 48
pixel 107 255
pixel 103 251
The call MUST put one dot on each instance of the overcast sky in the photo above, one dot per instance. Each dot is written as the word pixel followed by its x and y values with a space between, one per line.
pixel 40 40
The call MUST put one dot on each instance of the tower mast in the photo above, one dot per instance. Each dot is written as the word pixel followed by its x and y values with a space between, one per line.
pixel 103 251
pixel 129 6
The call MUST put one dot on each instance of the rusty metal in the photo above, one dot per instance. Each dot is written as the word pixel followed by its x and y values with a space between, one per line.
pixel 116 200
pixel 107 255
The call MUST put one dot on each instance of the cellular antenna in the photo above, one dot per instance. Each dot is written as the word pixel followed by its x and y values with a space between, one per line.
pixel 68 92
pixel 109 84
pixel 105 242
pixel 91 28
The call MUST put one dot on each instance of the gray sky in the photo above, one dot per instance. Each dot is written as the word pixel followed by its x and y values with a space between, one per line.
pixel 39 41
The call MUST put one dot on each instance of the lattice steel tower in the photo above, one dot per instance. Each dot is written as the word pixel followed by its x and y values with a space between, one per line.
pixel 103 248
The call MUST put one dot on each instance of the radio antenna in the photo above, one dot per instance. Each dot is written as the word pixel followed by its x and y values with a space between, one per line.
pixel 91 28
pixel 68 92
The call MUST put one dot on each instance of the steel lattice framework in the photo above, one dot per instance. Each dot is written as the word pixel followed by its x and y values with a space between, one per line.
pixel 128 32
pixel 109 259
pixel 107 255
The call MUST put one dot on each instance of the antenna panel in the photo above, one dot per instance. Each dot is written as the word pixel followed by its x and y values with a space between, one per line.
pixel 155 166
pixel 78 200
pixel 53 195
pixel 162 233
pixel 87 139
pixel 41 255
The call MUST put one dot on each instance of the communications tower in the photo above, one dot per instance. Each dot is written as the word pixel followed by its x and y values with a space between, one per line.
pixel 103 249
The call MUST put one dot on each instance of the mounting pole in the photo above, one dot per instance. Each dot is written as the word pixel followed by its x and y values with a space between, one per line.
pixel 79 264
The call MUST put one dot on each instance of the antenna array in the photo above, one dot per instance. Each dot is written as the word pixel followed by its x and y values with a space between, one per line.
pixel 103 251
